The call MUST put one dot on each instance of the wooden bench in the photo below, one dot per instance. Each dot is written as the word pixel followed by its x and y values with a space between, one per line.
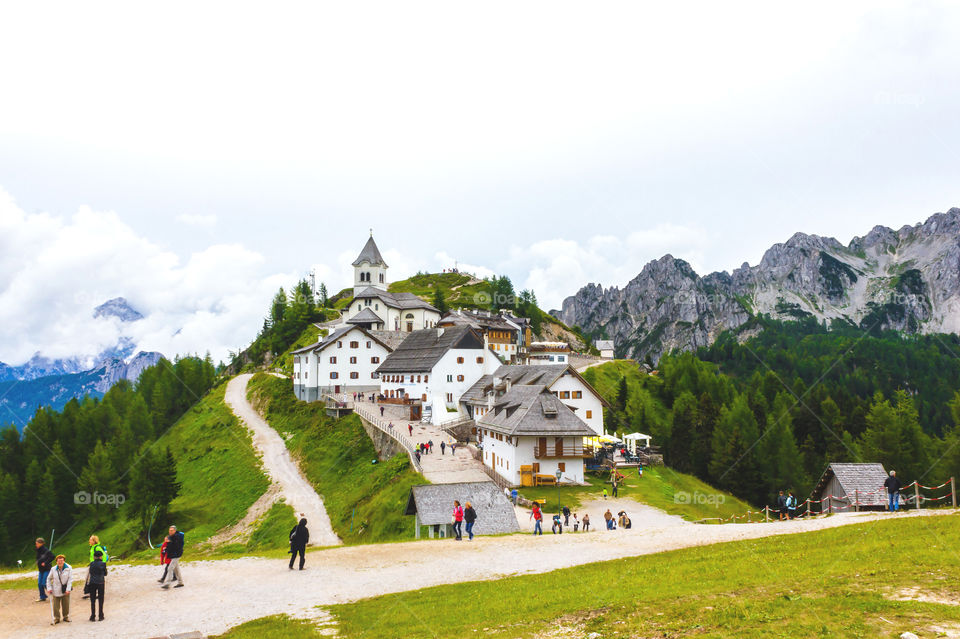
pixel 546 480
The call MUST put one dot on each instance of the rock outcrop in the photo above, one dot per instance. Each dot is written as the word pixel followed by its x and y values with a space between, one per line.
pixel 906 280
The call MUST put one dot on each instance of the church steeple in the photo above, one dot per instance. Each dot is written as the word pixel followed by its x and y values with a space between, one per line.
pixel 369 269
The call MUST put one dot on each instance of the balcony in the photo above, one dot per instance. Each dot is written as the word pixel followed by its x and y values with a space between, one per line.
pixel 554 452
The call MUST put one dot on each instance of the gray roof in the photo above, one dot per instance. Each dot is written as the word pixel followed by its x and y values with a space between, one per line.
pixel 605 344
pixel 533 410
pixel 523 375
pixel 423 349
pixel 370 254
pixel 339 333
pixel 479 319
pixel 391 339
pixel 866 478
pixel 366 316
pixel 394 300
pixel 434 504
pixel 478 392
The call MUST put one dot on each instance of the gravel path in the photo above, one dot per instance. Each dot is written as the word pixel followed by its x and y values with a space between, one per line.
pixel 280 467
pixel 222 594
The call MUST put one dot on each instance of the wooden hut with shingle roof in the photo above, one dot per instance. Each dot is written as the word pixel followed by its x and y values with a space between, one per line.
pixel 848 487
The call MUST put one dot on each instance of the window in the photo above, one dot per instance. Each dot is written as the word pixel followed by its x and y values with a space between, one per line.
pixel 358 308
pixel 425 378
pixel 418 378
pixel 449 398
pixel 449 378
pixel 459 360
pixel 564 394
pixel 339 344
pixel 353 360
pixel 354 375
pixel 334 375
pixel 374 360
pixel 578 394
pixel 459 378
pixel 373 375
pixel 333 360
pixel 354 344
pixel 296 359
pixel 306 375
pixel 562 467
pixel 479 360
pixel 589 414
pixel 369 344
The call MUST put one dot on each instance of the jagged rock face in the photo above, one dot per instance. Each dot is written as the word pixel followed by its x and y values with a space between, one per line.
pixel 906 280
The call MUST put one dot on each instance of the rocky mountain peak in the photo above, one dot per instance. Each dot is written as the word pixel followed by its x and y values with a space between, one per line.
pixel 118 307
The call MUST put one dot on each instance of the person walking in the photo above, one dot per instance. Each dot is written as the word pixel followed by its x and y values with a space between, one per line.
pixel 453 448
pixel 443 447
pixel 299 538
pixel 586 522
pixel 469 516
pixel 615 484
pixel 893 486
pixel 45 561
pixel 381 411
pixel 410 429
pixel 457 518
pixel 416 454
pixel 514 494
pixel 97 580
pixel 791 505
pixel 604 494
pixel 782 505
pixel 566 515
pixel 537 516
pixel 430 446
pixel 174 552
pixel 164 559
pixel 59 587
pixel 576 523
pixel 608 517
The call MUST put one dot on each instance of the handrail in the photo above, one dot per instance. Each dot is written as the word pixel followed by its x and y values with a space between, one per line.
pixel 381 425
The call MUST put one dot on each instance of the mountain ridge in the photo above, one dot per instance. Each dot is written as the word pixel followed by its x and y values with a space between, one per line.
pixel 906 280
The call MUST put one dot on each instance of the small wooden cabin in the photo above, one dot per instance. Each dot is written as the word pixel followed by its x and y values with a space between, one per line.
pixel 847 487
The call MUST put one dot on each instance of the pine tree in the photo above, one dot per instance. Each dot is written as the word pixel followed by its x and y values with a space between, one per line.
pixel 98 478
pixel 45 504
pixel 439 301
pixel 780 457
pixel 323 298
pixel 678 451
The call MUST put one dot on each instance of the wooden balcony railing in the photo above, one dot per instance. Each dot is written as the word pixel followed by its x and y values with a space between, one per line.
pixel 552 452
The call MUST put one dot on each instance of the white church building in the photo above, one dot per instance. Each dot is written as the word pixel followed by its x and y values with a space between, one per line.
pixel 374 307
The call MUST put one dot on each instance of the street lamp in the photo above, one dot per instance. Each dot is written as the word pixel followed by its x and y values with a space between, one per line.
pixel 559 474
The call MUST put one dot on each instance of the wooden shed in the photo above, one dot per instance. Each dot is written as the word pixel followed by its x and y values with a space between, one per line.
pixel 432 505
pixel 847 487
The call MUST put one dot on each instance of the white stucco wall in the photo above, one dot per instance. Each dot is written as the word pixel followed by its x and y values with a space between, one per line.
pixel 588 401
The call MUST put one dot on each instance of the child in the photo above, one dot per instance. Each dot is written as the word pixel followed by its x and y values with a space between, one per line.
pixel 164 560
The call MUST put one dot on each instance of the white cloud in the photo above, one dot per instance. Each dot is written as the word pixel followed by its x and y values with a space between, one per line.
pixel 55 271
pixel 202 221
pixel 556 268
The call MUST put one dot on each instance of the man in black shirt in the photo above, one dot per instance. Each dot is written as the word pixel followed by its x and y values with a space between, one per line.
pixel 892 484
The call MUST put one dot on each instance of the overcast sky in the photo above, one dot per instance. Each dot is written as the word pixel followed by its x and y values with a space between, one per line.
pixel 193 157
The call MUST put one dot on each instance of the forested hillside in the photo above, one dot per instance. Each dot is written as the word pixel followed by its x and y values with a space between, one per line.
pixel 101 446
pixel 772 412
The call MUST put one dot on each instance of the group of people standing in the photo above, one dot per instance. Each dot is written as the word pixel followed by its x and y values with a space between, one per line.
pixel 786 505
pixel 463 514
pixel 560 520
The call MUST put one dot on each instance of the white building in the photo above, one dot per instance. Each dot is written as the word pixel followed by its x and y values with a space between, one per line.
pixel 505 334
pixel 606 348
pixel 375 308
pixel 530 426
pixel 560 379
pixel 345 361
pixel 436 366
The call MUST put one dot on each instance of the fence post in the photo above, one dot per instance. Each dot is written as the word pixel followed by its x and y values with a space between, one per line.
pixel 916 492
pixel 829 505
pixel 766 514
pixel 953 491
pixel 856 496
pixel 808 506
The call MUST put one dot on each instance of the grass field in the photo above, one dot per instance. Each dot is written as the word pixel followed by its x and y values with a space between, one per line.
pixel 668 490
pixel 833 583
pixel 364 500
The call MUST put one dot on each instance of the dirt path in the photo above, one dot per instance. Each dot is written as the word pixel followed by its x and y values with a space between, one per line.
pixel 280 467
pixel 222 594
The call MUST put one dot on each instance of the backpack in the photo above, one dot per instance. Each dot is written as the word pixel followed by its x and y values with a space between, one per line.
pixel 103 549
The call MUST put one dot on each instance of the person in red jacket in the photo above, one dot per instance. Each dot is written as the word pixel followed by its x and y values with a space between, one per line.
pixel 458 520
pixel 164 560
pixel 537 517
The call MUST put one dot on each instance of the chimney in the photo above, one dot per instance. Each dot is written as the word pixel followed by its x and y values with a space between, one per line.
pixel 439 332
pixel 490 400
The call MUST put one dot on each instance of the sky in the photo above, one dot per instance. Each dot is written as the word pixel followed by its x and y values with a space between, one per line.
pixel 193 157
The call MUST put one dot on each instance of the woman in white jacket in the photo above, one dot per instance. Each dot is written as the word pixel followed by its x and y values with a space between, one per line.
pixel 59 586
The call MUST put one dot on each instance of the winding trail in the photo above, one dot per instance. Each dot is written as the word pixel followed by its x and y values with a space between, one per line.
pixel 280 467
pixel 226 593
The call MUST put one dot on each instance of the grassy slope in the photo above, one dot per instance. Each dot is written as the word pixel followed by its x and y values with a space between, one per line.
pixel 606 377
pixel 220 477
pixel 821 584
pixel 668 490
pixel 365 501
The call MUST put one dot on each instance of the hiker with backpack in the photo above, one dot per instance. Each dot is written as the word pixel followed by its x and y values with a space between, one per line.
pixel 299 537
pixel 45 561
pixel 782 505
pixel 791 505
pixel 174 552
